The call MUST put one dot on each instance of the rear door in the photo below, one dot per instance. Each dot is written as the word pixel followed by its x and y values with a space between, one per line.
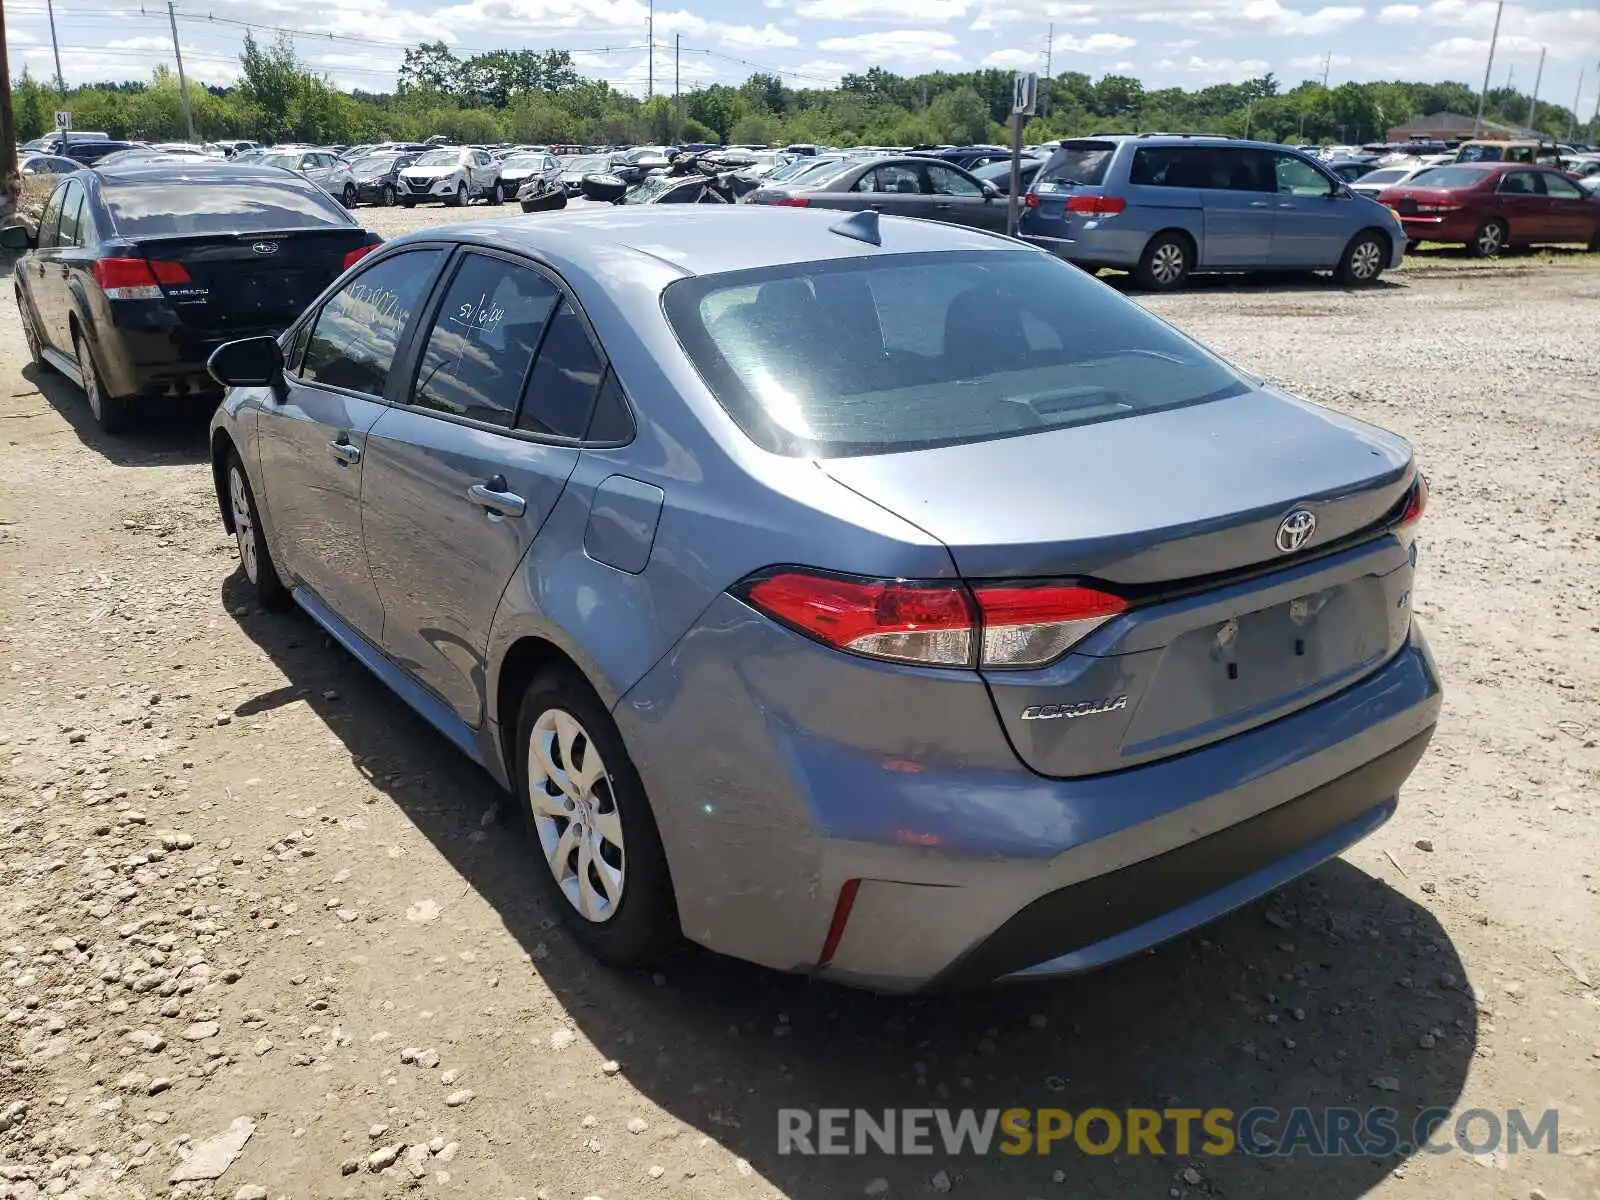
pixel 1238 195
pixel 1526 207
pixel 462 474
pixel 312 444
pixel 894 188
pixel 46 277
pixel 1310 225
pixel 955 197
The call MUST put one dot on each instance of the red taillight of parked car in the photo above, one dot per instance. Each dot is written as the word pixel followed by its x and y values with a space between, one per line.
pixel 790 202
pixel 932 622
pixel 1031 200
pixel 1099 206
pixel 137 278
pixel 1416 503
pixel 357 255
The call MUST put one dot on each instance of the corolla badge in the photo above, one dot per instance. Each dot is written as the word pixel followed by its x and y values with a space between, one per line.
pixel 264 247
pixel 1295 530
pixel 1084 708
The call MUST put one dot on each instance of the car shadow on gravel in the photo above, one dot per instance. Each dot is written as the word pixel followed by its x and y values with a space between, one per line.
pixel 1324 995
pixel 167 433
pixel 1258 282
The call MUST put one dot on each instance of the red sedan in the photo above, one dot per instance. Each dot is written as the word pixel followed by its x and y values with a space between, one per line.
pixel 1489 206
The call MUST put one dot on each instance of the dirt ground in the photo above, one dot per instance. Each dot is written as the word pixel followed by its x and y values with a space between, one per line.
pixel 240 880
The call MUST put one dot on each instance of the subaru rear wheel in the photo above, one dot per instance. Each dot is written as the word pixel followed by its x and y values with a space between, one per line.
pixel 254 556
pixel 1165 263
pixel 1490 239
pixel 110 412
pixel 588 817
pixel 1363 260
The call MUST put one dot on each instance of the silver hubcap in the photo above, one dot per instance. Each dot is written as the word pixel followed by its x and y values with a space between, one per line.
pixel 91 385
pixel 575 815
pixel 1365 260
pixel 1489 239
pixel 1166 264
pixel 244 527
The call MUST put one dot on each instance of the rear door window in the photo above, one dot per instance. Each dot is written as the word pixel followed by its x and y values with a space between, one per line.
pixel 50 219
pixel 1521 183
pixel 896 179
pixel 180 207
pixel 71 205
pixel 483 339
pixel 355 335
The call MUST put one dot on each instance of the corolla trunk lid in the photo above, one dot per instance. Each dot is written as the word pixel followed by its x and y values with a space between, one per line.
pixel 1240 608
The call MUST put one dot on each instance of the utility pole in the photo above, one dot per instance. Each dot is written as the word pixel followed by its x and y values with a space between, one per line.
pixel 10 183
pixel 650 36
pixel 1049 60
pixel 183 82
pixel 61 84
pixel 1327 63
pixel 1533 105
pixel 1595 120
pixel 677 93
pixel 1249 108
pixel 1577 99
pixel 1477 125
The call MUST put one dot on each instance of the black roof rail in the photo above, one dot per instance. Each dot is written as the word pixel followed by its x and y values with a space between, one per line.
pixel 1228 137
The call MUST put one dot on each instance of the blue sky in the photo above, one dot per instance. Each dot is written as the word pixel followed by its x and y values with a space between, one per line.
pixel 1164 42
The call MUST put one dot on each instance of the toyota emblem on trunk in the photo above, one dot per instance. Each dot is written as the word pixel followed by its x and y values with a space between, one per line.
pixel 265 247
pixel 1295 530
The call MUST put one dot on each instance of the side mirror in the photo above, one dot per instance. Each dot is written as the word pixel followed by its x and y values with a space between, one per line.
pixel 990 192
pixel 17 237
pixel 249 362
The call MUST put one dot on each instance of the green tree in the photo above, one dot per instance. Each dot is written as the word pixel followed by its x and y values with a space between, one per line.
pixel 431 67
pixel 960 117
pixel 273 77
pixel 715 107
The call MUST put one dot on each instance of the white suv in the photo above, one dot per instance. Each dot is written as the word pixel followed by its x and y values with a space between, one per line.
pixel 452 175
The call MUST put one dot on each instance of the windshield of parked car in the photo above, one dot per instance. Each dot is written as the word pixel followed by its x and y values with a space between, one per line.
pixel 523 160
pixel 903 352
pixel 1480 154
pixel 652 187
pixel 1450 177
pixel 179 208
pixel 1078 162
pixel 373 164
pixel 289 162
pixel 586 165
pixel 438 158
pixel 1385 175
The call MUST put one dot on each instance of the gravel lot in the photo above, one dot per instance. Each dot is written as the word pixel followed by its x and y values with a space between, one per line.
pixel 251 904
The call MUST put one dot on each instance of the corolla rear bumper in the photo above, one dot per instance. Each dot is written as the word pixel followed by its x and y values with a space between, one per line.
pixel 870 823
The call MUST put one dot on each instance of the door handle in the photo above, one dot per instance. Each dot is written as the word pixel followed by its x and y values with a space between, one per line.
pixel 344 450
pixel 1258 204
pixel 496 498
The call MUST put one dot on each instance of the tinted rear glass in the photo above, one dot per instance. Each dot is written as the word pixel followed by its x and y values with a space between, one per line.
pixel 1449 177
pixel 183 206
pixel 903 352
pixel 1079 162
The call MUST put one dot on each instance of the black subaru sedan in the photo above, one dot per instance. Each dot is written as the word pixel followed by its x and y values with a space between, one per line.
pixel 138 273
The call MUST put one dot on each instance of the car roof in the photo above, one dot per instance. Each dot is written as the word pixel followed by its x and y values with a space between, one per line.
pixel 175 169
pixel 705 240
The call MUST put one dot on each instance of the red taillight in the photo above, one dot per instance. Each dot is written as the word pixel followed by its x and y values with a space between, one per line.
pixel 934 623
pixel 1416 504
pixel 1099 206
pixel 357 255
pixel 136 278
pixel 884 618
pixel 791 202
pixel 1031 200
pixel 1025 626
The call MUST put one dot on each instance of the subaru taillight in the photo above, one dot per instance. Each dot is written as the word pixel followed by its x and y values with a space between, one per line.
pixel 1416 503
pixel 1099 206
pixel 357 255
pixel 933 622
pixel 136 278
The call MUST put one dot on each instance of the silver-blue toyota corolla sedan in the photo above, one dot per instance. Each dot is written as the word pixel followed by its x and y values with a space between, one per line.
pixel 878 599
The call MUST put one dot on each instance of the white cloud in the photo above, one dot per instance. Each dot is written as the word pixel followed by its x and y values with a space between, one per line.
pixel 1399 14
pixel 1180 45
pixel 883 10
pixel 898 45
pixel 1315 61
pixel 1096 43
pixel 820 72
pixel 1212 70
pixel 1015 60
pixel 1260 17
pixel 746 37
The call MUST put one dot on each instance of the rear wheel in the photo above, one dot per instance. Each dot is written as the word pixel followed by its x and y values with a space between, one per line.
pixel 1490 240
pixel 1363 260
pixel 110 413
pixel 1165 263
pixel 254 556
pixel 387 195
pixel 349 196
pixel 590 822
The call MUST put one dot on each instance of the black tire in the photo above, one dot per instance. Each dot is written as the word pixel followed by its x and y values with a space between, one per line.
pixel 35 346
pixel 1594 242
pixel 459 200
pixel 496 194
pixel 408 204
pixel 255 558
pixel 642 927
pixel 113 414
pixel 349 196
pixel 1412 245
pixel 1363 260
pixel 387 197
pixel 1490 240
pixel 1165 263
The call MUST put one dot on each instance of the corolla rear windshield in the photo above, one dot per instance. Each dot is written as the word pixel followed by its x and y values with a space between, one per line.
pixel 903 352
pixel 179 208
